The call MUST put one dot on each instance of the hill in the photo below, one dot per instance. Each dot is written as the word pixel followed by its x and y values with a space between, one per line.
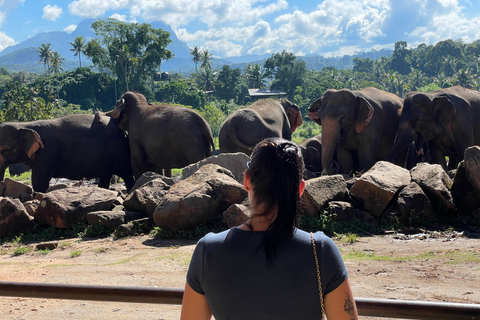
pixel 23 56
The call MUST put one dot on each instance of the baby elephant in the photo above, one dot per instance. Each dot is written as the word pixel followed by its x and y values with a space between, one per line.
pixel 73 147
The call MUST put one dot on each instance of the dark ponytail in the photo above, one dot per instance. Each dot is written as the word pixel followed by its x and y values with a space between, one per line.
pixel 276 171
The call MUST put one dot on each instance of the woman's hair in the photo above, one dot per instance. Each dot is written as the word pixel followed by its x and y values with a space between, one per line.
pixel 276 171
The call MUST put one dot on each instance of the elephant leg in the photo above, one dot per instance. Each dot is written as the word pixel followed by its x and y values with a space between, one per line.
pixel 104 181
pixel 438 157
pixel 40 181
pixel 167 172
pixel 345 160
pixel 137 159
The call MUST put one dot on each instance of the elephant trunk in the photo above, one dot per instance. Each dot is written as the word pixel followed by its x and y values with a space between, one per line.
pixel 330 138
pixel 404 138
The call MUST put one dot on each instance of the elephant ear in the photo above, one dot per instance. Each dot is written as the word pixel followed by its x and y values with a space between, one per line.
pixel 365 113
pixel 444 110
pixel 294 116
pixel 31 141
pixel 313 111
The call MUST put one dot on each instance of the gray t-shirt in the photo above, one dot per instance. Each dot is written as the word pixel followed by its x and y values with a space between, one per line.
pixel 231 270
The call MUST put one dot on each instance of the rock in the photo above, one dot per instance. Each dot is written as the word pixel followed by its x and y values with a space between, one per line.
pixel 319 191
pixel 133 228
pixel 132 215
pixel 14 189
pixel 463 193
pixel 66 207
pixel 203 196
pixel 108 219
pixel 31 206
pixel 435 182
pixel 414 206
pixel 149 176
pixel 235 215
pixel 472 167
pixel 47 245
pixel 145 197
pixel 344 211
pixel 14 218
pixel 236 163
pixel 378 186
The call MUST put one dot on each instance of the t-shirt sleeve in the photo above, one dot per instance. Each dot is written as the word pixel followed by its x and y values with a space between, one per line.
pixel 332 268
pixel 195 270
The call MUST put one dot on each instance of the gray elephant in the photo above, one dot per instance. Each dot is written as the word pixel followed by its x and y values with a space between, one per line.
pixel 264 118
pixel 73 147
pixel 445 121
pixel 162 137
pixel 312 155
pixel 359 126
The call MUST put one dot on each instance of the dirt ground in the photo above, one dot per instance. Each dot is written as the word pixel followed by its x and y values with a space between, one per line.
pixel 442 267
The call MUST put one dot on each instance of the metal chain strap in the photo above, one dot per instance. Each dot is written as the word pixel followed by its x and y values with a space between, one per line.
pixel 318 275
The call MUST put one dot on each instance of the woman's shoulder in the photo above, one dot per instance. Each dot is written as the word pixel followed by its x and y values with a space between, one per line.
pixel 213 237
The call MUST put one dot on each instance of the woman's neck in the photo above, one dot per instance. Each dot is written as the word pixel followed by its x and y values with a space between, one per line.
pixel 260 222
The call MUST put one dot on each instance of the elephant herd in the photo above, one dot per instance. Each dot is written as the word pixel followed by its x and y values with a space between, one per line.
pixel 358 129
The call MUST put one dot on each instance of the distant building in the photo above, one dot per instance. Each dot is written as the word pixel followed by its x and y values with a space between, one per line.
pixel 256 94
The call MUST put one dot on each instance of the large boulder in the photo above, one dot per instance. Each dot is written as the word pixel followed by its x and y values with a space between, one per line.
pixel 345 212
pixel 17 190
pixel 236 163
pixel 108 219
pixel 465 197
pixel 203 196
pixel 65 207
pixel 235 215
pixel 319 191
pixel 378 186
pixel 14 218
pixel 147 192
pixel 414 207
pixel 435 182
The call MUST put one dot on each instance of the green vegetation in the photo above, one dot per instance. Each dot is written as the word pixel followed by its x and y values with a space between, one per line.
pixel 21 250
pixel 75 253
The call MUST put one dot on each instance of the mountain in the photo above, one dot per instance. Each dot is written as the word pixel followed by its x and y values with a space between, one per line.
pixel 23 56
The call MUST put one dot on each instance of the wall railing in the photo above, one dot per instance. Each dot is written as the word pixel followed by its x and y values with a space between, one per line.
pixel 385 308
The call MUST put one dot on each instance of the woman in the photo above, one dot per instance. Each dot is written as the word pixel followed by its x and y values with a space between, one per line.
pixel 265 268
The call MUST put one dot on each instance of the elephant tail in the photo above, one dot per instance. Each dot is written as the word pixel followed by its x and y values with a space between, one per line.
pixel 207 137
pixel 235 124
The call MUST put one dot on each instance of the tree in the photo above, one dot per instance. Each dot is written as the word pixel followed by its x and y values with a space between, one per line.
pixel 287 72
pixel 255 76
pixel 45 53
pixel 56 62
pixel 196 53
pixel 207 59
pixel 228 83
pixel 22 103
pixel 400 58
pixel 131 52
pixel 79 47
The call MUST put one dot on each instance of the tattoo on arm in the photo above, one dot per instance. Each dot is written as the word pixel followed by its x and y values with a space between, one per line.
pixel 349 306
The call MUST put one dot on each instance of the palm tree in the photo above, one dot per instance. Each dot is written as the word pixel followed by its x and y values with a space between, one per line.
pixel 255 76
pixel 56 62
pixel 196 53
pixel 45 53
pixel 206 58
pixel 79 47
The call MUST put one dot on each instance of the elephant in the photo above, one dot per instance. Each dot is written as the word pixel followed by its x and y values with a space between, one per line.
pixel 445 122
pixel 359 126
pixel 264 118
pixel 312 155
pixel 162 137
pixel 73 147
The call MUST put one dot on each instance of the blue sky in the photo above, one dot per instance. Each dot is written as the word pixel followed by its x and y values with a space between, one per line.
pixel 233 28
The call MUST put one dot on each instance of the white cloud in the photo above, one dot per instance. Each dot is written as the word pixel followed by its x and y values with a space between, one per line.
pixel 51 13
pixel 119 17
pixel 10 4
pixel 5 41
pixel 95 8
pixel 2 16
pixel 70 28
